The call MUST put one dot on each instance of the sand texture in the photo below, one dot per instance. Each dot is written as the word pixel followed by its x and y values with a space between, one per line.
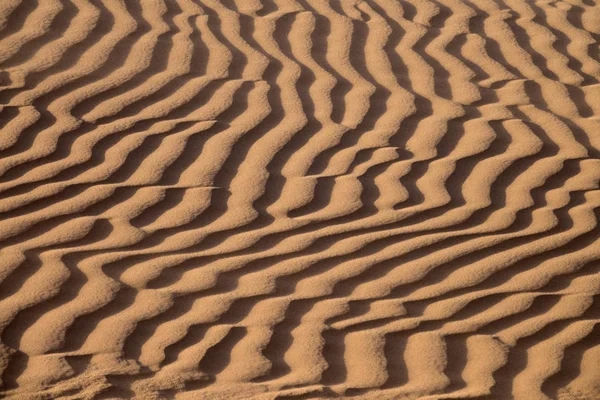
pixel 300 199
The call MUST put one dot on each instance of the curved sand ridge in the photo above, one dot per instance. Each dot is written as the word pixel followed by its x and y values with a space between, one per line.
pixel 301 199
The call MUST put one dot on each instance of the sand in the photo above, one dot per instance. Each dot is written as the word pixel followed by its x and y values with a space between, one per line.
pixel 300 199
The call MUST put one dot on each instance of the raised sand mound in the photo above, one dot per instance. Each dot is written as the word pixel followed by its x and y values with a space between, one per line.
pixel 300 199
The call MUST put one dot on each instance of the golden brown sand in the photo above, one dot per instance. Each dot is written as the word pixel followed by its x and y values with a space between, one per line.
pixel 300 199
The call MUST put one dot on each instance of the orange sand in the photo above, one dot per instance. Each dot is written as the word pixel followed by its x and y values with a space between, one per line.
pixel 300 199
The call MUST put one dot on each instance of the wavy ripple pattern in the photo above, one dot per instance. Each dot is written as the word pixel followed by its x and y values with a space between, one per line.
pixel 299 199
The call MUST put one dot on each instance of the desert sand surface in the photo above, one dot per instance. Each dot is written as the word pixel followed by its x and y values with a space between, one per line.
pixel 300 199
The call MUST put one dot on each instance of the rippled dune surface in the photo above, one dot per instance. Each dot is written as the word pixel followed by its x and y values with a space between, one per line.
pixel 300 199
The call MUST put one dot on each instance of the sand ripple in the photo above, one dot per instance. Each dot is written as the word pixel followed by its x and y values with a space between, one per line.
pixel 299 199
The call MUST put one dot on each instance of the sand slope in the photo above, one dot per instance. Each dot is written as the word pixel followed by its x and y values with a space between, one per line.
pixel 300 199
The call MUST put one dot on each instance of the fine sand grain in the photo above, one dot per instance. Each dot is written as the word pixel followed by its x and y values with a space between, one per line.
pixel 300 199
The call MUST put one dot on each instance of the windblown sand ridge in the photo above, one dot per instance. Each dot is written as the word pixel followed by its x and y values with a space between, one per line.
pixel 298 199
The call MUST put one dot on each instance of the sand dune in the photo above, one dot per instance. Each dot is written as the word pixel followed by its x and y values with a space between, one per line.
pixel 300 199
